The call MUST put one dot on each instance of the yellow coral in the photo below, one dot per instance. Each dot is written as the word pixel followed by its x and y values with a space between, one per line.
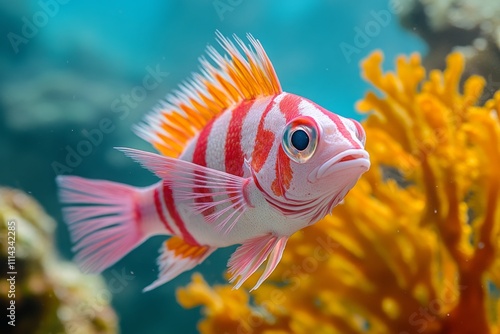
pixel 415 248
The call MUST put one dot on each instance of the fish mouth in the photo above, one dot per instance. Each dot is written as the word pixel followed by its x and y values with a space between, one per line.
pixel 358 159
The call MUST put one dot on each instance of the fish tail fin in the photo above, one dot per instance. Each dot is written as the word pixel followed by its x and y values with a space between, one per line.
pixel 103 218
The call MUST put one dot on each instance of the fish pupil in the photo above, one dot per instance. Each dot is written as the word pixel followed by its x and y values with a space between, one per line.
pixel 300 140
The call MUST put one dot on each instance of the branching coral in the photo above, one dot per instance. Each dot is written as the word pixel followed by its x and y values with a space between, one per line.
pixel 415 248
pixel 39 292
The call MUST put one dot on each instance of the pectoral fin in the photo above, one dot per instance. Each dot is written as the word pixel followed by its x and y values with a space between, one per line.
pixel 221 197
pixel 250 255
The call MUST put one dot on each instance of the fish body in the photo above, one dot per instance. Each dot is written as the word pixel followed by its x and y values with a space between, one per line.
pixel 241 162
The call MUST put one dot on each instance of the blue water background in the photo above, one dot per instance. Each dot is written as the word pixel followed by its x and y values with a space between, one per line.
pixel 83 61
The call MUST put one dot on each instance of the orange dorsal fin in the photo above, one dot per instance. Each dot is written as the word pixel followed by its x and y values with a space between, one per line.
pixel 226 81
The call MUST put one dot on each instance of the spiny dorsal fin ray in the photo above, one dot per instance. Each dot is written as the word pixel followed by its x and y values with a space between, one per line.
pixel 246 74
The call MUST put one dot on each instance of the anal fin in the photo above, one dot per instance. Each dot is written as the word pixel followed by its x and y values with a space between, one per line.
pixel 177 256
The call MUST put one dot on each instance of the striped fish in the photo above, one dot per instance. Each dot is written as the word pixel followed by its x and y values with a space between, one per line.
pixel 241 162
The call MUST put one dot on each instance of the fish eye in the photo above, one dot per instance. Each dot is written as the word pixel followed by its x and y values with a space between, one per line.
pixel 300 139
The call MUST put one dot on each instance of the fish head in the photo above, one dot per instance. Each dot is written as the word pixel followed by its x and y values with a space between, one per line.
pixel 318 158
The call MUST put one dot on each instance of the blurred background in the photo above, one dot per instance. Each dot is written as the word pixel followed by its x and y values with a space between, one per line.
pixel 70 70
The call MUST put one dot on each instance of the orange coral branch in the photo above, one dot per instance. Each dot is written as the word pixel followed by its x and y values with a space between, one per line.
pixel 416 244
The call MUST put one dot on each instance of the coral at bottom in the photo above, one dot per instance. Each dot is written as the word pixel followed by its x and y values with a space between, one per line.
pixel 415 248
pixel 39 293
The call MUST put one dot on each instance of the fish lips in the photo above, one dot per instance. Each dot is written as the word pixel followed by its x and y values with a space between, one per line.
pixel 358 160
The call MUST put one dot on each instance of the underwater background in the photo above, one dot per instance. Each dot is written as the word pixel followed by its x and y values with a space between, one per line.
pixel 72 70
